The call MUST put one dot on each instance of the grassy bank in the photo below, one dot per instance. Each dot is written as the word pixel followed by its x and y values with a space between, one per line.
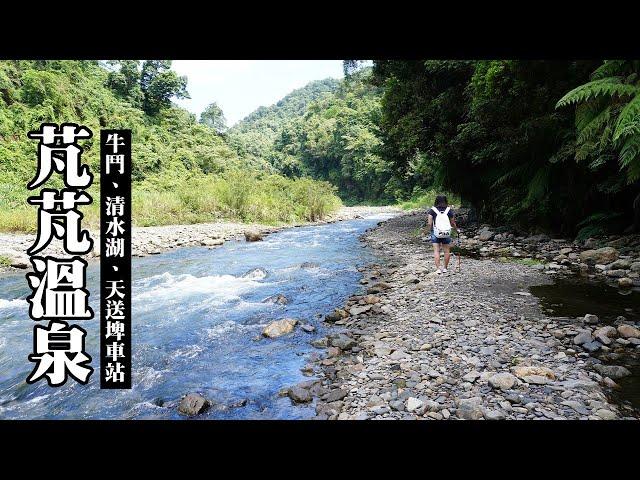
pixel 234 195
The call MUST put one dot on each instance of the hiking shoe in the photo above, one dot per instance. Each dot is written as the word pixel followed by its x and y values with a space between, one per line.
pixel 444 270
pixel 438 271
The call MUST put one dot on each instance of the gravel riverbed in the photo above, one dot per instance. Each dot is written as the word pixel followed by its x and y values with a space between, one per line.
pixel 472 344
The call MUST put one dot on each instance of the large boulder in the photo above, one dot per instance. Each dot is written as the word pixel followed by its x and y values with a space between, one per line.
pixel 252 236
pixel 599 256
pixel 279 327
pixel 193 404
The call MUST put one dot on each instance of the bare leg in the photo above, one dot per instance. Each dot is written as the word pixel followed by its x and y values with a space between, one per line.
pixel 436 254
pixel 447 254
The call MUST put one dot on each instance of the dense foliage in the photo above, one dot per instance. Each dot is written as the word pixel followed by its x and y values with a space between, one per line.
pixel 170 145
pixel 489 130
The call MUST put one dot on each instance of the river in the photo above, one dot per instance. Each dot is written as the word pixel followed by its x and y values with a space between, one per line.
pixel 197 318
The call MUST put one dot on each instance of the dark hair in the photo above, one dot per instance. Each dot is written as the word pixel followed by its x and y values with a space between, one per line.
pixel 441 201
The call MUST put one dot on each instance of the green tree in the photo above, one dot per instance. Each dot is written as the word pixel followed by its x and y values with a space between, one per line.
pixel 160 84
pixel 213 117
pixel 125 81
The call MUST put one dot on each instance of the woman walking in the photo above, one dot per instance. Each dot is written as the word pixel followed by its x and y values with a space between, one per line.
pixel 441 219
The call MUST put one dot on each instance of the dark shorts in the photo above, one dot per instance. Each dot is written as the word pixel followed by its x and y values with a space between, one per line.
pixel 445 241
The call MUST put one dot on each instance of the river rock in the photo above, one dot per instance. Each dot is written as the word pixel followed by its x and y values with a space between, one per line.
pixel 593 346
pixel 359 309
pixel 252 235
pixel 605 414
pixel 627 331
pixel 625 282
pixel 193 404
pixel 342 341
pixel 470 408
pixel 620 264
pixel 602 255
pixel 485 234
pixel 298 394
pixel 582 338
pixel 605 332
pixel 502 381
pixel 279 327
pixel 525 371
pixel 337 314
pixel 278 299
pixel 414 404
pixel 591 319
pixel 612 371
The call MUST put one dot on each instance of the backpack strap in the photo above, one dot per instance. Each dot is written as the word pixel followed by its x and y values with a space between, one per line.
pixel 435 210
pixel 446 212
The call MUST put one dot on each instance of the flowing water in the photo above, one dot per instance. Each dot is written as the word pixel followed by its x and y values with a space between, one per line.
pixel 197 318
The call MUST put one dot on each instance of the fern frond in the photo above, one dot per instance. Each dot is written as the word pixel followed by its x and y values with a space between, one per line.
pixel 611 86
pixel 630 154
pixel 629 119
pixel 610 68
pixel 588 130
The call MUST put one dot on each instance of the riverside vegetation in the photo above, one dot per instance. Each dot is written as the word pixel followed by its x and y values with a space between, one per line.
pixel 184 171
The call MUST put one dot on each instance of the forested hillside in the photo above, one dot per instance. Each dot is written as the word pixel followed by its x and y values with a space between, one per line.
pixel 253 137
pixel 328 130
pixel 184 171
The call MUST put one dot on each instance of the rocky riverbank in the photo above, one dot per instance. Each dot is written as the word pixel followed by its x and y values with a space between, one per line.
pixel 472 344
pixel 615 259
pixel 155 240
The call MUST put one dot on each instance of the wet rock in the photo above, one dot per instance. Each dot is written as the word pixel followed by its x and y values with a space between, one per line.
pixel 612 371
pixel 308 328
pixel 278 299
pixel 298 394
pixel 252 236
pixel 337 314
pixel 279 328
pixel 193 404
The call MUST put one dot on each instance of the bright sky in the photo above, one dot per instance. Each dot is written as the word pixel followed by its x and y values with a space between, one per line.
pixel 241 86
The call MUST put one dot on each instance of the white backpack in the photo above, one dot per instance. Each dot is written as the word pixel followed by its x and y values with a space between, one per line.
pixel 442 225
